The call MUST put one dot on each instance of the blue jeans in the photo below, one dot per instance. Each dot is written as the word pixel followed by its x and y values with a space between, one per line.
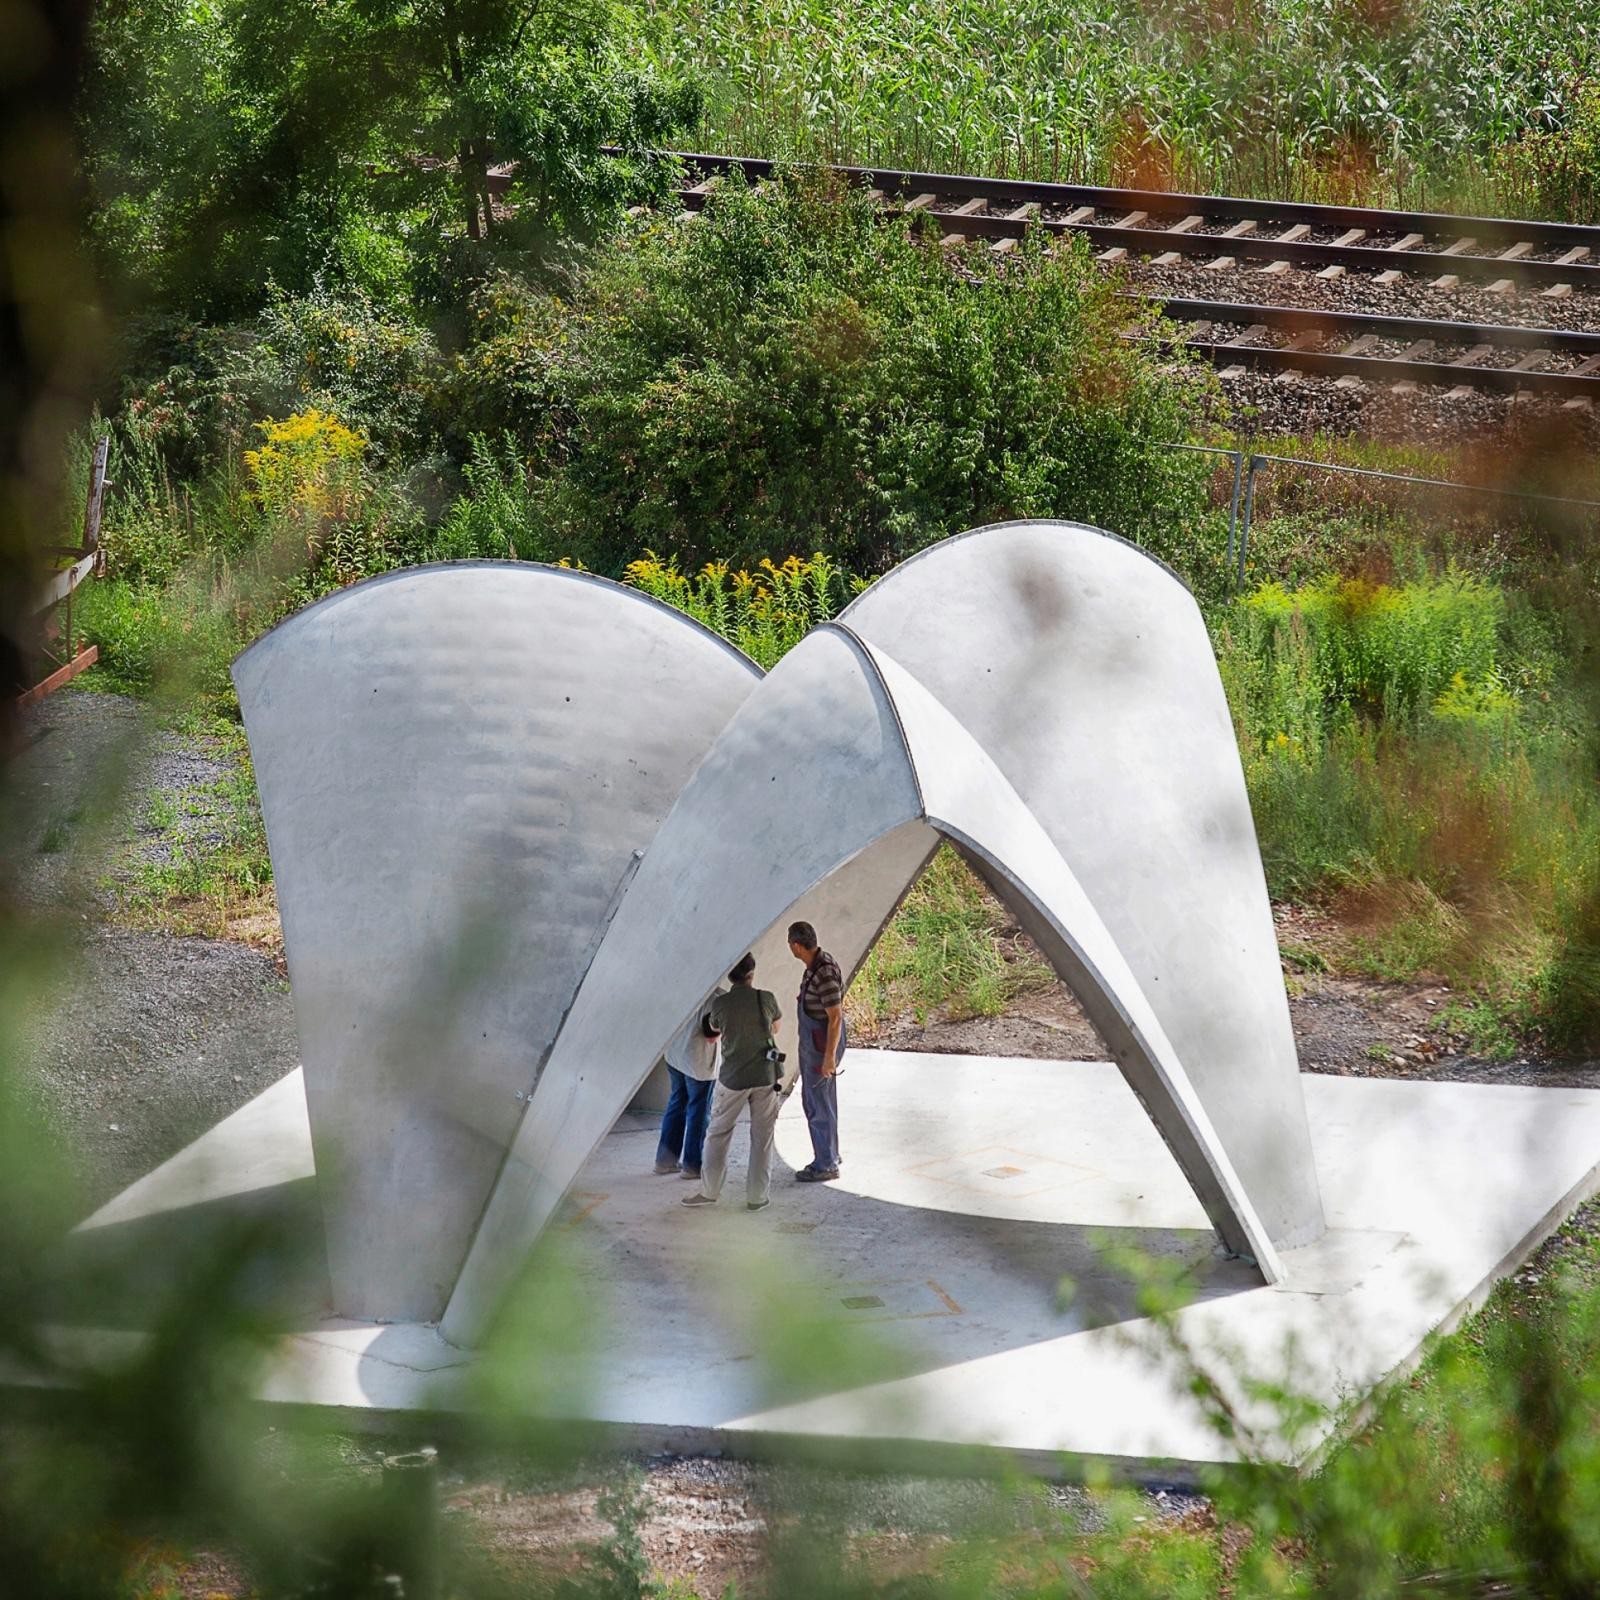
pixel 819 1096
pixel 683 1123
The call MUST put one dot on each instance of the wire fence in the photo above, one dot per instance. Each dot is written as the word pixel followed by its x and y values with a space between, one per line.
pixel 1248 463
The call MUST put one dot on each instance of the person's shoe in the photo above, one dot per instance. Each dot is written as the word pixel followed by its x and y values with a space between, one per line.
pixel 697 1200
pixel 816 1175
pixel 662 1168
pixel 692 1173
pixel 756 1205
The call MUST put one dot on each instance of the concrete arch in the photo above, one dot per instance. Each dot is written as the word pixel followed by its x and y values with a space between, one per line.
pixel 456 784
pixel 1083 667
pixel 841 768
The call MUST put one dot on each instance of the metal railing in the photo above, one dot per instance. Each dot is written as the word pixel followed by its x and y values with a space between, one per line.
pixel 1247 463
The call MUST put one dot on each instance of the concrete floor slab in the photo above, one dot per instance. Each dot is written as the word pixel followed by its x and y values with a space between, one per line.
pixel 959 1287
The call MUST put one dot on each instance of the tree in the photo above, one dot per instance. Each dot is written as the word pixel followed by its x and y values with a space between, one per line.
pixel 233 143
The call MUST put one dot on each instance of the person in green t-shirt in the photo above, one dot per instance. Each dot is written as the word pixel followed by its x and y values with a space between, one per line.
pixel 752 1073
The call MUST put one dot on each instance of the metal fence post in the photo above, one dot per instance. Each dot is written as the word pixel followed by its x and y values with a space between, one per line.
pixel 1233 510
pixel 1244 529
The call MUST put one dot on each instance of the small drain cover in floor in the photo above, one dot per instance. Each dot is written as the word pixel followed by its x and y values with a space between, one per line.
pixel 862 1302
pixel 1004 1172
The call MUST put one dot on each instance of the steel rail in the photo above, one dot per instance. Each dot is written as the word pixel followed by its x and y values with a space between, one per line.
pixel 1493 230
pixel 1310 319
pixel 1390 369
pixel 1148 206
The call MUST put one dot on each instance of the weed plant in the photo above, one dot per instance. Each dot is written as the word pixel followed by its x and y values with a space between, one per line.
pixel 765 613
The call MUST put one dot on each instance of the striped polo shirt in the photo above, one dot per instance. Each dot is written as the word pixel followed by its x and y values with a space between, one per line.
pixel 822 986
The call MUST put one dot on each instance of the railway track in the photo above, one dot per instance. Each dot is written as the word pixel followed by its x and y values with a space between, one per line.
pixel 1269 240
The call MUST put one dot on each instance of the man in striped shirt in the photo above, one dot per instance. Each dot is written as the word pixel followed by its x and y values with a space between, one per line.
pixel 820 1016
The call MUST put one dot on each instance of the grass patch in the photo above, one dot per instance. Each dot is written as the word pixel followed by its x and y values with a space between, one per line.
pixel 952 948
pixel 200 863
pixel 1416 766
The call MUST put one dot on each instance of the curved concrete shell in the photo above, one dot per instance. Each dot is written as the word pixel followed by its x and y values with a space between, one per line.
pixel 842 767
pixel 459 767
pixel 1083 668
pixel 522 820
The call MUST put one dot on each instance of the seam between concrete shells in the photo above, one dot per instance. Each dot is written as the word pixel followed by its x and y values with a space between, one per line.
pixel 864 651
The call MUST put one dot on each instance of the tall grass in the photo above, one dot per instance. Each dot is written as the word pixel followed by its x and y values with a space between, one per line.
pixel 1324 99
pixel 1411 757
pixel 951 949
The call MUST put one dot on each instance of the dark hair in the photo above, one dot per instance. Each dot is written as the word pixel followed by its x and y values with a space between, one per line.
pixel 743 968
pixel 803 934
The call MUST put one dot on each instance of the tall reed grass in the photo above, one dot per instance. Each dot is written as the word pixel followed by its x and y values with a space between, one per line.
pixel 1321 99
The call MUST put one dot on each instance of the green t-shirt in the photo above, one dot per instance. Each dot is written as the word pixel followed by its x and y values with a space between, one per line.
pixel 744 1017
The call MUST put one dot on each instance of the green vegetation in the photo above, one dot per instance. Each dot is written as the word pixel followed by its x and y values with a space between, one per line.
pixel 950 948
pixel 722 388
pixel 1412 752
pixel 736 384
pixel 1483 103
pixel 331 353
pixel 206 871
pixel 236 148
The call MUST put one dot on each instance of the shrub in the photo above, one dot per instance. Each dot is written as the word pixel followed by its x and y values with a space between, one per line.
pixel 1378 646
pixel 307 467
pixel 343 353
pixel 1409 753
pixel 787 371
pixel 505 377
pixel 175 641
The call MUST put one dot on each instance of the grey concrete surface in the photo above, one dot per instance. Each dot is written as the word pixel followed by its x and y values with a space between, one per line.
pixel 458 766
pixel 968 800
pixel 1083 667
pixel 808 775
pixel 733 865
pixel 492 932
pixel 933 1300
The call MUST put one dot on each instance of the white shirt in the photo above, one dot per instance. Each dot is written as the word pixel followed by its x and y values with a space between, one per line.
pixel 694 1055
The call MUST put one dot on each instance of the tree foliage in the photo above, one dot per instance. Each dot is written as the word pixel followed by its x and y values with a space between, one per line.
pixel 785 372
pixel 234 144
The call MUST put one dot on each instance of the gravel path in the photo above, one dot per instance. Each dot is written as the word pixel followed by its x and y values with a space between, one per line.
pixel 98 789
pixel 145 1040
pixel 149 1041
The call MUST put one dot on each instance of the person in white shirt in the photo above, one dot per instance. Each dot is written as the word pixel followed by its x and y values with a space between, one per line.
pixel 691 1060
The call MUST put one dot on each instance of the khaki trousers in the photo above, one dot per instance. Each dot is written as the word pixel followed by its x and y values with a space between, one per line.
pixel 726 1104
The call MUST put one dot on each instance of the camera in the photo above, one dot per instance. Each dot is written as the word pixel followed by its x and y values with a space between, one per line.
pixel 776 1056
